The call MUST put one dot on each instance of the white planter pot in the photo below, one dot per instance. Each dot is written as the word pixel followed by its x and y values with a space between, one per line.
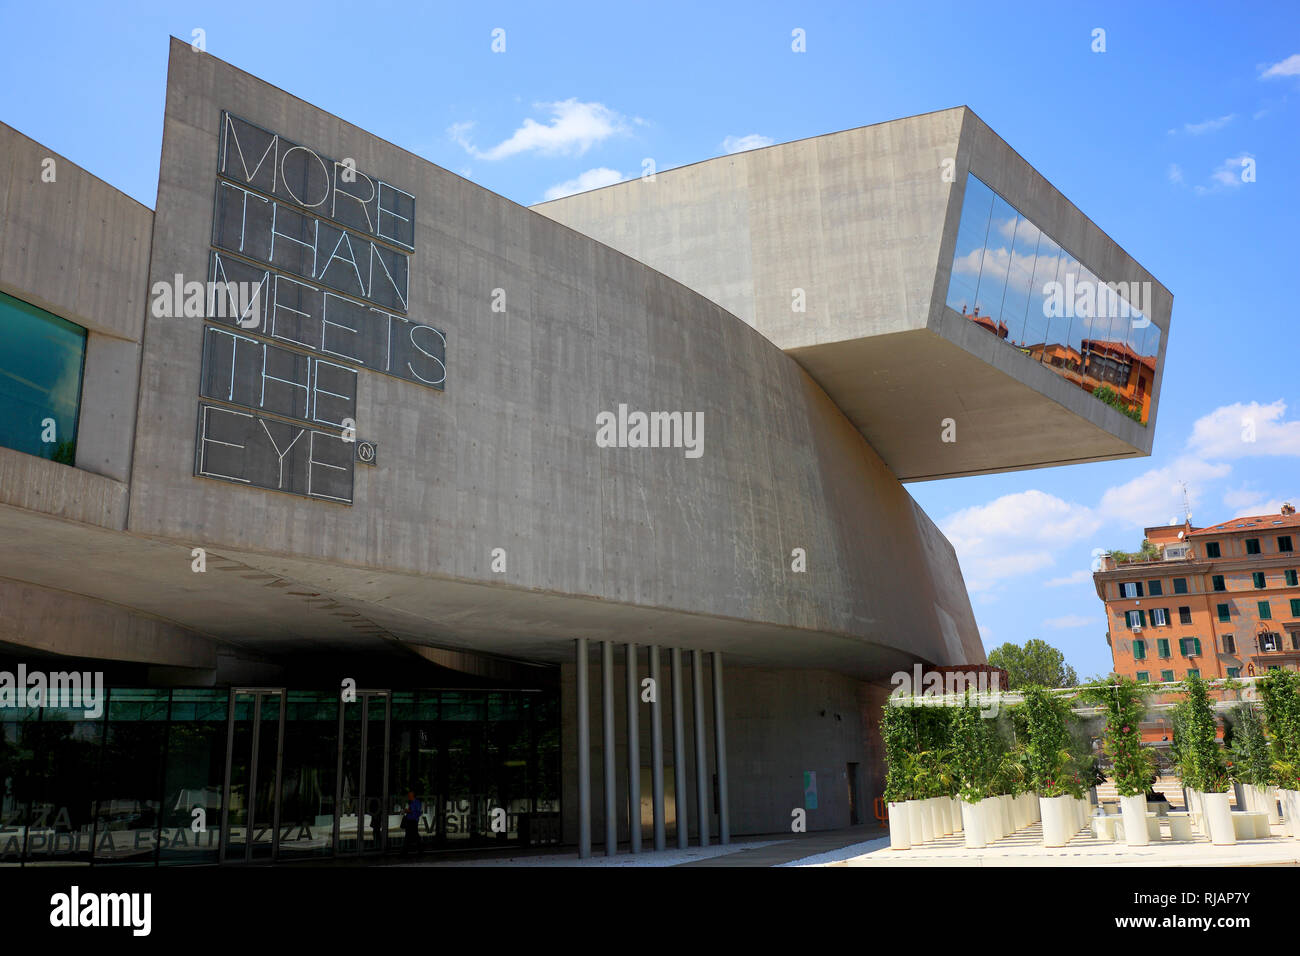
pixel 945 814
pixel 915 831
pixel 1291 810
pixel 1134 812
pixel 936 817
pixel 927 821
pixel 1008 825
pixel 1056 813
pixel 1266 800
pixel 989 819
pixel 972 826
pixel 900 837
pixel 1219 819
pixel 1197 810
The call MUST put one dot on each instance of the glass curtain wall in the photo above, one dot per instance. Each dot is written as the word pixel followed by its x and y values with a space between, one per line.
pixel 1015 282
pixel 143 783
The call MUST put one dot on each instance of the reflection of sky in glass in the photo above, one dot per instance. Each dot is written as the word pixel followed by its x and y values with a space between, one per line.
pixel 40 377
pixel 1002 267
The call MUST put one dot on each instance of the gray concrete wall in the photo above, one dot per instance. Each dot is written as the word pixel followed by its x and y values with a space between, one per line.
pixel 506 456
pixel 79 249
pixel 779 723
pixel 66 623
pixel 852 218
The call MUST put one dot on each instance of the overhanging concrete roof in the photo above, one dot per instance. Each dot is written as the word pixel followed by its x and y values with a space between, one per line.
pixel 863 224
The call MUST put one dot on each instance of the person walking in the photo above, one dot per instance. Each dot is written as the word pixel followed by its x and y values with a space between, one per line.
pixel 411 824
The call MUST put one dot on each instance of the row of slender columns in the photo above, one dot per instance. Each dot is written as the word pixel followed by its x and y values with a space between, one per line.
pixel 656 745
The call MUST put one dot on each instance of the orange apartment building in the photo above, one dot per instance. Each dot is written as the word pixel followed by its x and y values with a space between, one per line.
pixel 1223 601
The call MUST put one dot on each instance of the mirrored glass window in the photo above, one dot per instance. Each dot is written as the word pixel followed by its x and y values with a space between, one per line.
pixel 1015 282
pixel 41 357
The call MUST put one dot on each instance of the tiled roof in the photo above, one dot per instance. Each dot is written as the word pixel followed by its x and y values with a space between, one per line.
pixel 1264 523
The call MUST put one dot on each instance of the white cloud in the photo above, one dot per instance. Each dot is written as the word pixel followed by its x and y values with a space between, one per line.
pixel 573 129
pixel 1069 620
pixel 1208 126
pixel 1145 500
pixel 1014 535
pixel 1228 174
pixel 591 179
pixel 1175 174
pixel 1288 67
pixel 739 144
pixel 1227 432
pixel 1074 577
pixel 1271 506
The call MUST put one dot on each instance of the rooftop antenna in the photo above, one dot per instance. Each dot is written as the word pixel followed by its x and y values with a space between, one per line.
pixel 1187 502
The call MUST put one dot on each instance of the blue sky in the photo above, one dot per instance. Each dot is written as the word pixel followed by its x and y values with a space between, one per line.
pixel 1146 138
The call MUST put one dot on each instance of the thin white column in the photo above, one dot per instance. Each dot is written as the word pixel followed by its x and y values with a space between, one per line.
pixel 607 716
pixel 584 750
pixel 701 758
pixel 633 753
pixel 720 750
pixel 656 749
pixel 679 749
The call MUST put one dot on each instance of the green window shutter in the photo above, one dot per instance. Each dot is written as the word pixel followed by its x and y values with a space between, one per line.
pixel 1162 647
pixel 1167 676
pixel 1291 579
pixel 1197 643
pixel 1295 607
pixel 1139 650
pixel 1223 612
pixel 1265 611
pixel 1193 672
pixel 1143 677
pixel 1142 617
pixel 1217 582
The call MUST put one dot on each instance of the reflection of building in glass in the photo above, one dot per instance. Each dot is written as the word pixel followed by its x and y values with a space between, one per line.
pixel 1014 281
pixel 1099 363
pixel 983 321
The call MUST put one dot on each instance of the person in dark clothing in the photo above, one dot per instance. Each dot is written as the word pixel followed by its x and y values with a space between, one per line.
pixel 411 824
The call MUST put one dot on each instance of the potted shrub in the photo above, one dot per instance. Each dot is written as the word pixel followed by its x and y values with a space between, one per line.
pixel 1208 765
pixel 1050 765
pixel 1280 691
pixel 1252 763
pixel 898 737
pixel 974 763
pixel 1132 765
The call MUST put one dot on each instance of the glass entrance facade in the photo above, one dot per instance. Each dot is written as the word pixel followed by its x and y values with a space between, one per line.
pixel 232 775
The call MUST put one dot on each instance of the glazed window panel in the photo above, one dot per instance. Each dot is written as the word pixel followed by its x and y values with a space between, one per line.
pixel 972 233
pixel 41 360
pixel 1014 281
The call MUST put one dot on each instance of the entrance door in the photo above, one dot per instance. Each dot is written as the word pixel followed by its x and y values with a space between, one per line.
pixel 362 822
pixel 250 810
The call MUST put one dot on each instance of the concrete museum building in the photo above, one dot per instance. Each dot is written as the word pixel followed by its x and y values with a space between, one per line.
pixel 336 476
